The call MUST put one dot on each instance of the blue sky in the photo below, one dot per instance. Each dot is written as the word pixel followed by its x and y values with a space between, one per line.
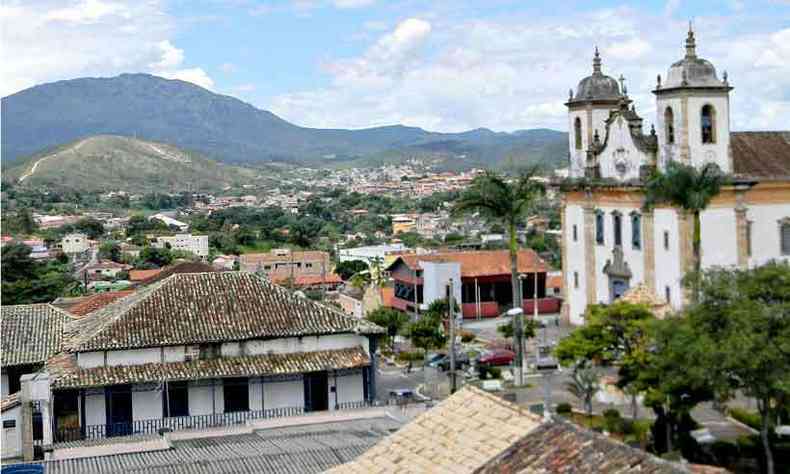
pixel 440 65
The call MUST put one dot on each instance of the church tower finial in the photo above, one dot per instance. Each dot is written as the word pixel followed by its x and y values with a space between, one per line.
pixel 691 45
pixel 596 62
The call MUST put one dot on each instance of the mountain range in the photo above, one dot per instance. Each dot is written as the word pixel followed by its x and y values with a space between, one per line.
pixel 224 128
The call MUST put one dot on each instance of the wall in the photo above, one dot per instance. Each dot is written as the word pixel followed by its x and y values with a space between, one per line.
pixel 349 389
pixel 719 237
pixel 4 385
pixel 765 232
pixel 436 276
pixel 716 152
pixel 620 150
pixel 304 344
pixel 577 297
pixel 146 404
pixel 201 401
pixel 12 437
pixel 634 257
pixel 95 408
pixel 667 261
pixel 283 394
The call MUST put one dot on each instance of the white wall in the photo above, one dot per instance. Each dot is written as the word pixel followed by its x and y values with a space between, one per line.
pixel 12 437
pixel 634 257
pixel 620 149
pixel 146 405
pixel 667 261
pixel 256 394
pixel 349 388
pixel 765 232
pixel 4 385
pixel 134 356
pixel 577 297
pixel 436 276
pixel 719 237
pixel 87 360
pixel 95 409
pixel 304 344
pixel 283 394
pixel 174 353
pixel 200 400
pixel 715 152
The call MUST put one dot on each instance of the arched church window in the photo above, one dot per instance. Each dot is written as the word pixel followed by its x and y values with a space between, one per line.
pixel 708 122
pixel 599 227
pixel 617 224
pixel 669 125
pixel 577 132
pixel 636 231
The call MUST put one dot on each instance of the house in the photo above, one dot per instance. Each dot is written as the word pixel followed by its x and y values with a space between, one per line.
pixel 610 243
pixel 38 249
pixel 403 223
pixel 369 254
pixel 136 276
pixel 350 301
pixel 170 222
pixel 75 243
pixel 328 281
pixel 195 244
pixel 178 267
pixel 473 431
pixel 104 269
pixel 95 302
pixel 483 283
pixel 153 359
pixel 285 263
pixel 224 262
pixel 31 334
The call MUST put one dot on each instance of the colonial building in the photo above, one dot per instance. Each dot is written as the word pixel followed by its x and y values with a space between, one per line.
pixel 610 242
pixel 286 263
pixel 196 244
pixel 198 350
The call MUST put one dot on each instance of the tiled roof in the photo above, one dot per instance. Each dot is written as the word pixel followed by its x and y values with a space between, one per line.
pixel 303 449
pixel 31 333
pixel 481 263
pixel 66 374
pixel 559 446
pixel 309 280
pixel 641 294
pixel 192 308
pixel 459 435
pixel 296 256
pixel 97 301
pixel 761 154
pixel 10 401
pixel 139 275
pixel 108 264
pixel 181 267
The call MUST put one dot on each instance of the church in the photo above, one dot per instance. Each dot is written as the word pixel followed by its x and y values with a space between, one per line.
pixel 610 242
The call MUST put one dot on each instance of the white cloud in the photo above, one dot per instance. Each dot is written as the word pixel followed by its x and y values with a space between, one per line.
pixel 353 3
pixel 44 41
pixel 514 73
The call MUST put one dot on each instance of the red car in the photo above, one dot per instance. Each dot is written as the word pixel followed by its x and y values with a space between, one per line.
pixel 497 357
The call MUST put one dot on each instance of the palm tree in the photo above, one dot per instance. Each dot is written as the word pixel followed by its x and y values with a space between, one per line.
pixel 690 189
pixel 506 201
pixel 584 384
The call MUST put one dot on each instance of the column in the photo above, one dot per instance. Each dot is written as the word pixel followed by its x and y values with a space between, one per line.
pixel 742 230
pixel 685 133
pixel 685 236
pixel 565 313
pixel 649 250
pixel 590 280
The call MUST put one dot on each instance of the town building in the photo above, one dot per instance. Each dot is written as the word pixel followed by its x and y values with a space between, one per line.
pixel 75 243
pixel 482 281
pixel 170 222
pixel 403 223
pixel 197 350
pixel 195 244
pixel 104 269
pixel 610 242
pixel 477 432
pixel 286 263
pixel 370 254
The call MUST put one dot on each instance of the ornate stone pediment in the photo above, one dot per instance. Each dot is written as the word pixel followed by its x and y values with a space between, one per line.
pixel 619 267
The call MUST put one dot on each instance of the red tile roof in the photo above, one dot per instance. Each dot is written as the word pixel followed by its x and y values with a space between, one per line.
pixel 309 280
pixel 761 154
pixel 31 333
pixel 139 275
pixel 480 263
pixel 97 301
pixel 181 267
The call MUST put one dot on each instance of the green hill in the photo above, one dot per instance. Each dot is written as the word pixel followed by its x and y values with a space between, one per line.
pixel 113 163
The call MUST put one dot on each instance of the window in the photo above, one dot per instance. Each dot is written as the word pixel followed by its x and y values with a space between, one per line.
pixel 708 122
pixel 617 218
pixel 236 393
pixel 599 227
pixel 177 399
pixel 669 125
pixel 576 280
pixel 575 233
pixel 577 132
pixel 749 238
pixel 668 294
pixel 784 235
pixel 636 231
pixel 666 240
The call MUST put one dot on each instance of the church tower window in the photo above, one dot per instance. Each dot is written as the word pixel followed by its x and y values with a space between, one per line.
pixel 784 236
pixel 617 220
pixel 669 125
pixel 708 122
pixel 636 231
pixel 577 132
pixel 599 227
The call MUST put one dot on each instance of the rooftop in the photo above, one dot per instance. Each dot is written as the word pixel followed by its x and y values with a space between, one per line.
pixel 192 308
pixel 761 154
pixel 96 302
pixel 31 333
pixel 480 263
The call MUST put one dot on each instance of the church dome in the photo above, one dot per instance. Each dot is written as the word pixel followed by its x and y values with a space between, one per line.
pixel 597 86
pixel 693 71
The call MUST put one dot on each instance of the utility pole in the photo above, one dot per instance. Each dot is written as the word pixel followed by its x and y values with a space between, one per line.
pixel 451 322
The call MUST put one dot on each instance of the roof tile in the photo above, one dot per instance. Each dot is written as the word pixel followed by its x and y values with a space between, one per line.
pixel 31 333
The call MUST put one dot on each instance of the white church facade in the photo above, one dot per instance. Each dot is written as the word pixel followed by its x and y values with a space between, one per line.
pixel 610 241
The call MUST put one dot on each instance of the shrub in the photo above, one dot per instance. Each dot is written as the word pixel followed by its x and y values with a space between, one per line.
pixel 746 417
pixel 564 408
pixel 414 356
pixel 467 336
pixel 612 421
pixel 495 372
pixel 487 372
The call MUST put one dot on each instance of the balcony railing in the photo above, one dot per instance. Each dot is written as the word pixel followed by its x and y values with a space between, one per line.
pixel 152 426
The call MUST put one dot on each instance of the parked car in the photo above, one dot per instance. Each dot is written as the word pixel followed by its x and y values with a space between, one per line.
pixel 461 361
pixel 497 357
pixel 435 358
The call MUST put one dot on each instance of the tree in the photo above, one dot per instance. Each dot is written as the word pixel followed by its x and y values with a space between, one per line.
pixel 392 319
pixel 26 281
pixel 506 330
pixel 110 250
pixel 427 332
pixel 691 190
pixel 154 256
pixel 90 227
pixel 507 202
pixel 584 384
pixel 348 268
pixel 742 319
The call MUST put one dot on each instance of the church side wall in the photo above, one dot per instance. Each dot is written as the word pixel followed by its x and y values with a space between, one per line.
pixel 717 152
pixel 668 272
pixel 577 297
pixel 765 232
pixel 719 245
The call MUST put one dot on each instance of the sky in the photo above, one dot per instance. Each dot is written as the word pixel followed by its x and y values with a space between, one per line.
pixel 441 65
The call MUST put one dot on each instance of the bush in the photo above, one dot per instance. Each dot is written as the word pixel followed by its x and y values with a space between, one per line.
pixel 746 417
pixel 564 408
pixel 495 372
pixel 487 372
pixel 467 336
pixel 414 356
pixel 612 421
